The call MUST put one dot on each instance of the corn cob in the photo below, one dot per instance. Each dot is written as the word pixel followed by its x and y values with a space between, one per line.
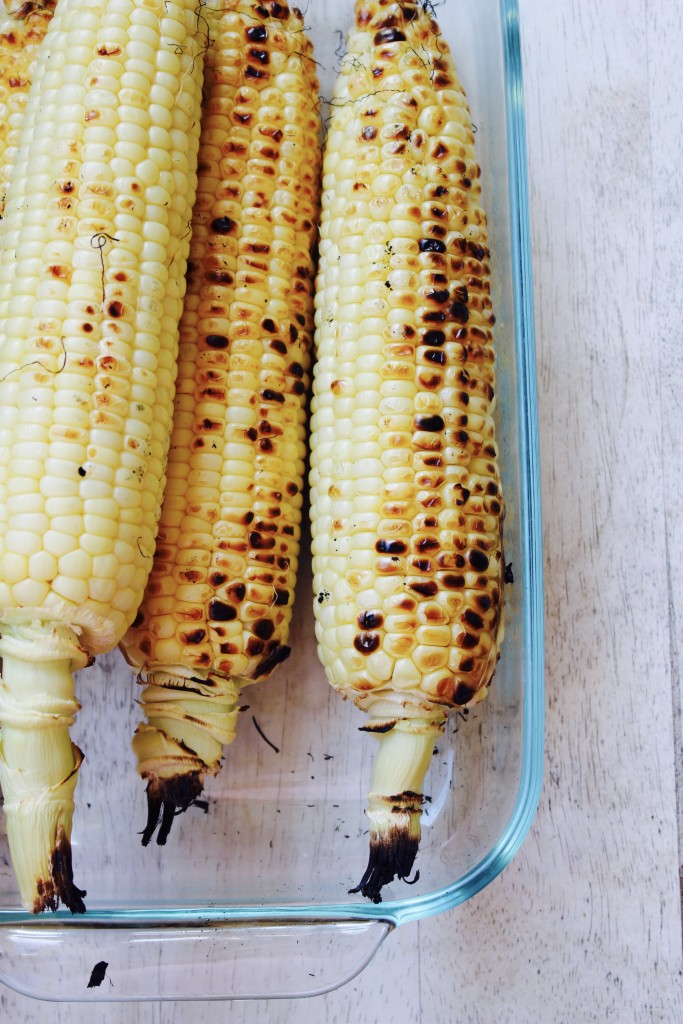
pixel 406 504
pixel 218 604
pixel 21 31
pixel 93 249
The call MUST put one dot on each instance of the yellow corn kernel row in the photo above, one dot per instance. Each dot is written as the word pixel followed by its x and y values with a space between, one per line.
pixel 406 504
pixel 218 605
pixel 22 29
pixel 93 251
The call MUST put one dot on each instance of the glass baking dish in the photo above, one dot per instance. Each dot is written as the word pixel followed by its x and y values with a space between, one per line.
pixel 249 898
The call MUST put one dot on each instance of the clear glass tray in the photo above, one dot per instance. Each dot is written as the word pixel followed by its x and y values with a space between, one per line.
pixel 249 896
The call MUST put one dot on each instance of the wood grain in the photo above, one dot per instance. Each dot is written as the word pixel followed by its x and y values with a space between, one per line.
pixel 585 924
pixel 665 32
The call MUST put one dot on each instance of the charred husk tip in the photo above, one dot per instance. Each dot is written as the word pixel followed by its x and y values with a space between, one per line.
pixel 165 799
pixel 391 856
pixel 59 887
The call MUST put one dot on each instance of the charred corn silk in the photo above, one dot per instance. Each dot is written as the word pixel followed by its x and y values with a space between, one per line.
pixel 93 248
pixel 406 503
pixel 218 605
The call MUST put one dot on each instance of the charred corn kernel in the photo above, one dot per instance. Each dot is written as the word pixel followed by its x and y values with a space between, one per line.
pixel 409 601
pixel 22 28
pixel 218 605
pixel 88 345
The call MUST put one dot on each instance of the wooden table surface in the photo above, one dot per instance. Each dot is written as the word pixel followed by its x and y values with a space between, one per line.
pixel 585 924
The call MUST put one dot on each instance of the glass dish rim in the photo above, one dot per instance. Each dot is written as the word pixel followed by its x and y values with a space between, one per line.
pixel 480 875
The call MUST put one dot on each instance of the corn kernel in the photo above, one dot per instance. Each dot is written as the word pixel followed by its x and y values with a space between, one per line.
pixel 42 566
pixel 30 593
pixel 73 590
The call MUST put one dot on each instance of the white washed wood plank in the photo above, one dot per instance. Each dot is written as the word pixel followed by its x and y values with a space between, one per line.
pixel 665 40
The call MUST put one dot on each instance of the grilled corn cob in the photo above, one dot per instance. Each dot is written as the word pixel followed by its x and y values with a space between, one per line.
pixel 218 604
pixel 22 29
pixel 93 249
pixel 406 501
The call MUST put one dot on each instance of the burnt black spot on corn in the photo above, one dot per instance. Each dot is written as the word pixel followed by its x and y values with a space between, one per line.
pixel 233 500
pixel 417 564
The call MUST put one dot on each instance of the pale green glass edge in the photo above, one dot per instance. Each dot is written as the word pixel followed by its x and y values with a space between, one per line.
pixel 402 911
